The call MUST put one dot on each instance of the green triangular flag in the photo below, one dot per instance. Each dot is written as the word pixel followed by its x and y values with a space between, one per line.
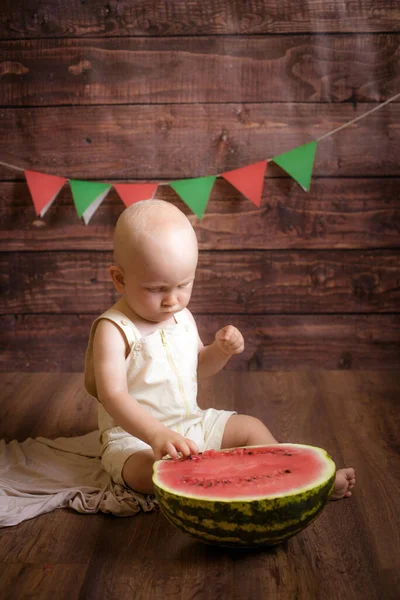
pixel 195 192
pixel 298 163
pixel 87 196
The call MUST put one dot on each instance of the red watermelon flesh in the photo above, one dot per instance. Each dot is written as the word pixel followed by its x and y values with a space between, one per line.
pixel 243 473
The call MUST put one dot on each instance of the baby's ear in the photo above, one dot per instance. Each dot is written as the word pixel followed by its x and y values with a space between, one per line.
pixel 118 278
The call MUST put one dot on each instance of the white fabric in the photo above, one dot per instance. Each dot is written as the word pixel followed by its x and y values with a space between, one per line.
pixel 207 435
pixel 161 370
pixel 39 475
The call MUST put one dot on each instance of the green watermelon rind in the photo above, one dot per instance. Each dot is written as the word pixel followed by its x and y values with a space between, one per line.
pixel 248 523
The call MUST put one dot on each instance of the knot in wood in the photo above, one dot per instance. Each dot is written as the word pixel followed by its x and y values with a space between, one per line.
pixel 83 66
pixel 319 276
pixel 12 68
pixel 364 286
pixel 346 361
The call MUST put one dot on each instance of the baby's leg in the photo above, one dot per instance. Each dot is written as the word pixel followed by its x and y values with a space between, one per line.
pixel 138 470
pixel 240 430
pixel 243 430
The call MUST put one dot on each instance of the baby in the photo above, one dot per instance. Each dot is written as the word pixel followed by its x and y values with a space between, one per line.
pixel 145 356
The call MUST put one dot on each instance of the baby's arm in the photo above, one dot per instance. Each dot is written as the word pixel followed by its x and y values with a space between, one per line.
pixel 109 368
pixel 213 358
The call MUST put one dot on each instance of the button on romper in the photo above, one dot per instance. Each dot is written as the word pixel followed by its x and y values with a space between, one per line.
pixel 161 371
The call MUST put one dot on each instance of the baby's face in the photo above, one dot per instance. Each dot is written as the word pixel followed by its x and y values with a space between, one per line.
pixel 159 281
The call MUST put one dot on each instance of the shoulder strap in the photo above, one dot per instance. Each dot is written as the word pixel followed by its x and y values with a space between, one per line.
pixel 183 318
pixel 180 317
pixel 128 329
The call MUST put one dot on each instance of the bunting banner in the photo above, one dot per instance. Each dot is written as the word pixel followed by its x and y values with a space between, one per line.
pixel 195 192
pixel 248 180
pixel 44 190
pixel 134 192
pixel 88 196
pixel 298 163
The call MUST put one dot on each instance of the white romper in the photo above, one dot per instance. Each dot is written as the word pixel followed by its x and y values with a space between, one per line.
pixel 161 371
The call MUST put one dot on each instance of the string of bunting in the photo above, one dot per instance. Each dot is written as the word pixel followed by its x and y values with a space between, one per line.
pixel 248 180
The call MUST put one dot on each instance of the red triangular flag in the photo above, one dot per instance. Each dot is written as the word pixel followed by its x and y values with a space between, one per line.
pixel 44 189
pixel 134 192
pixel 248 180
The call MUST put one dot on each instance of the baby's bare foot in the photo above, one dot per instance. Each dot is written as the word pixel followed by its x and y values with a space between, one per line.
pixel 345 481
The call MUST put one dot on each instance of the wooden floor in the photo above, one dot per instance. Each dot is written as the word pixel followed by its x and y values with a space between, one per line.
pixel 351 551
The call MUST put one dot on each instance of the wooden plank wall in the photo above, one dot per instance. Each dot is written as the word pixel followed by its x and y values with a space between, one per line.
pixel 155 90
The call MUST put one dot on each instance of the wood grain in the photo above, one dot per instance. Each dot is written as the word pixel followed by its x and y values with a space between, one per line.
pixel 42 578
pixel 336 213
pixel 121 91
pixel 370 437
pixel 349 552
pixel 34 343
pixel 232 282
pixel 56 419
pixel 22 18
pixel 190 140
pixel 156 70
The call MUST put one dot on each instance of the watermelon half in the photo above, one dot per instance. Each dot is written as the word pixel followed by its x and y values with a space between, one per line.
pixel 245 497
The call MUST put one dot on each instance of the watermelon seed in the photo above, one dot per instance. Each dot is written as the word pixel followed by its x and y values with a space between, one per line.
pixel 288 471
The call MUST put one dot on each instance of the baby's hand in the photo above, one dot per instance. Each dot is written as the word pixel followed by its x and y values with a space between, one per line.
pixel 230 340
pixel 165 441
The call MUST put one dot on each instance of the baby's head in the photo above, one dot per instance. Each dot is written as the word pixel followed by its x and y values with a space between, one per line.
pixel 155 259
